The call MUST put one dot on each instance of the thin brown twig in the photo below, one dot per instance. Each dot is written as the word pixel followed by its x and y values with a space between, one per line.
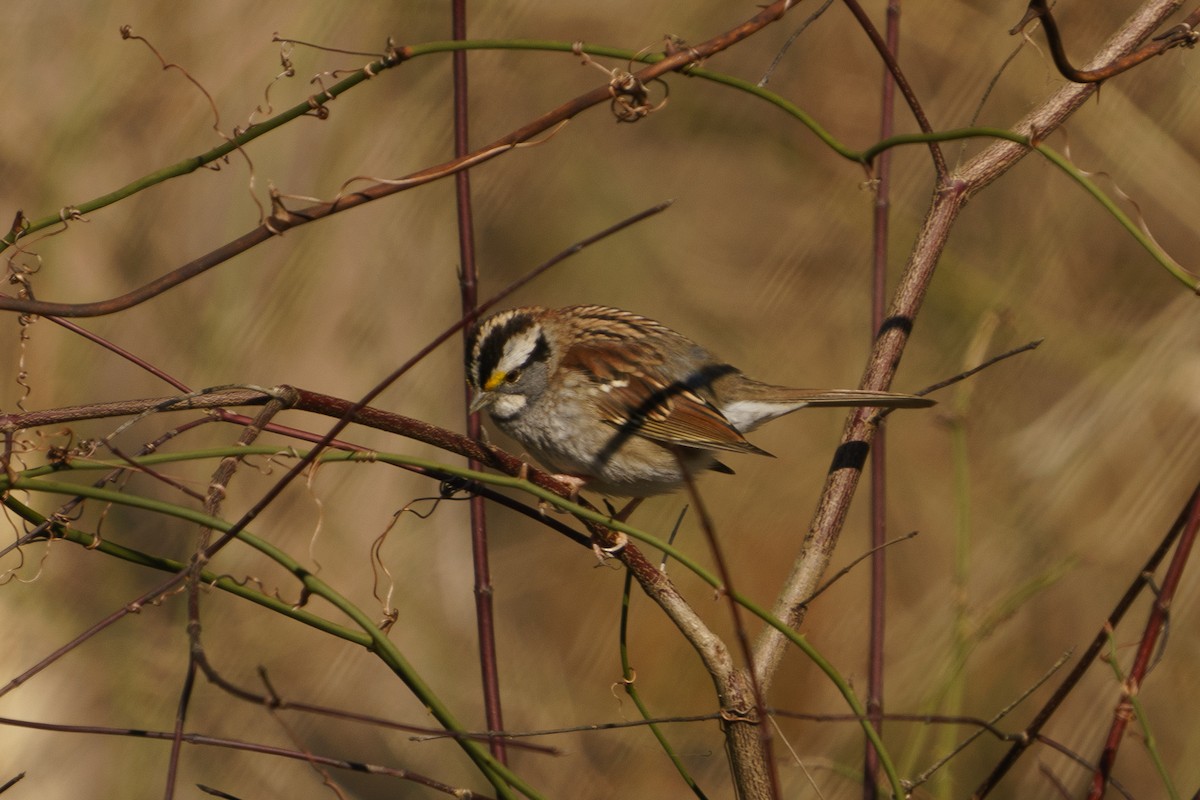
pixel 585 728
pixel 999 715
pixel 253 747
pixel 775 62
pixel 197 658
pixel 275 702
pixel 323 48
pixel 112 347
pixel 132 467
pixel 846 570
pixel 962 376
pixel 1083 762
pixel 906 90
pixel 8 784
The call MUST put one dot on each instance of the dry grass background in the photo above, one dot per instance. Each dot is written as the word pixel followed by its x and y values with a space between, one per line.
pixel 1080 454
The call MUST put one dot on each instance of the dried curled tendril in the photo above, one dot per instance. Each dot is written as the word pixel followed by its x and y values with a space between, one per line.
pixel 630 97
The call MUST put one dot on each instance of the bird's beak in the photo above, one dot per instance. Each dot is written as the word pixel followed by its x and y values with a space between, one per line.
pixel 482 400
pixel 486 396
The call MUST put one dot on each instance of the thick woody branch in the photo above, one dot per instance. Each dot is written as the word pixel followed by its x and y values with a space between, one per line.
pixel 948 200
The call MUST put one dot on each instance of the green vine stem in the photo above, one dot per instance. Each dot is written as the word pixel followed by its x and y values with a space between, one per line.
pixel 396 57
pixel 33 480
pixel 377 641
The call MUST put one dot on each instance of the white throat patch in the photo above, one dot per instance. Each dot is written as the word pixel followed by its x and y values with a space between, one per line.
pixel 507 406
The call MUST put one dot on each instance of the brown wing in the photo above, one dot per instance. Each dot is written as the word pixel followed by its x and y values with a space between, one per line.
pixel 633 393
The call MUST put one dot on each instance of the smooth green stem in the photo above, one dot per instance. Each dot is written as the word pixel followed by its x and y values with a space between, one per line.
pixel 1082 178
pixel 864 157
pixel 961 642
pixel 29 480
pixel 193 163
pixel 223 582
pixel 498 775
pixel 629 683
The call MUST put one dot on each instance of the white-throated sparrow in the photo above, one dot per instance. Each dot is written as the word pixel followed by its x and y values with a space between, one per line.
pixel 617 399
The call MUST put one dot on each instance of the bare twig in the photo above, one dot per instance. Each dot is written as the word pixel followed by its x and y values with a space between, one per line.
pixel 253 747
pixel 878 598
pixel 910 97
pixel 962 376
pixel 8 784
pixel 775 62
pixel 1182 35
pixel 1145 652
pixel 989 725
pixel 197 658
pixel 1072 679
pixel 846 570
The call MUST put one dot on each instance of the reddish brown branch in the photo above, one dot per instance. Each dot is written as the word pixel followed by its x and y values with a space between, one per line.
pixel 887 53
pixel 1182 35
pixel 422 431
pixel 301 400
pixel 283 219
pixel 878 489
pixel 489 668
pixel 1139 583
pixel 208 398
pixel 1141 663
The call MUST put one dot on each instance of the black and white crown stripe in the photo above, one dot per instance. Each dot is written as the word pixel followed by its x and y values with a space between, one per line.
pixel 507 342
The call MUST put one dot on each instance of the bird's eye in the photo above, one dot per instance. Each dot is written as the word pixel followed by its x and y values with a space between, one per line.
pixel 513 376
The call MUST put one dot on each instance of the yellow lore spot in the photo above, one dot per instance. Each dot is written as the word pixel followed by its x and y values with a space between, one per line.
pixel 494 381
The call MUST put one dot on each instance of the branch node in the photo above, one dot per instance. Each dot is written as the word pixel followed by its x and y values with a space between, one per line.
pixel 319 109
pixel 69 213
pixel 1182 35
pixel 630 97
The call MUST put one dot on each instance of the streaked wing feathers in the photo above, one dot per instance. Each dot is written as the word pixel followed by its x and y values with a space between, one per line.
pixel 633 394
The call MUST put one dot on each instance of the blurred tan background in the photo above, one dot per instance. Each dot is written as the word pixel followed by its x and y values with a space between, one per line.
pixel 1079 454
